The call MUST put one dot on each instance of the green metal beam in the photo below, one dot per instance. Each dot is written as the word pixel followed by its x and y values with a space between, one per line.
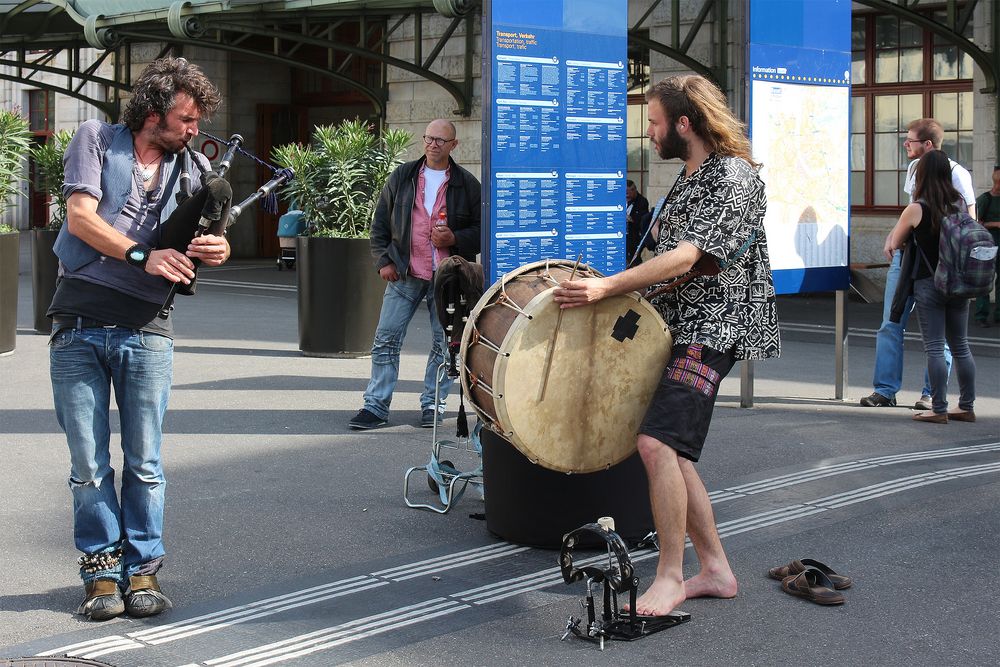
pixel 464 102
pixel 108 108
pixel 377 100
pixel 673 54
pixel 989 63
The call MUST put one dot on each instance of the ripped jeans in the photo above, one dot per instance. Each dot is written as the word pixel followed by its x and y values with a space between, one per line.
pixel 84 364
pixel 399 305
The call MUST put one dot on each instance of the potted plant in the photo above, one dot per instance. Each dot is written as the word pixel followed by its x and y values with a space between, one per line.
pixel 338 179
pixel 48 159
pixel 14 139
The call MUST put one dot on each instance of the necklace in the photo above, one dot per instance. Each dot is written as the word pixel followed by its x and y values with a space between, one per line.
pixel 147 169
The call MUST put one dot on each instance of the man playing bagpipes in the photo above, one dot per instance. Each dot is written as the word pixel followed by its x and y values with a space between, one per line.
pixel 122 184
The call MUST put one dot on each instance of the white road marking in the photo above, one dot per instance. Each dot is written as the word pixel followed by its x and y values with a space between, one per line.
pixel 376 624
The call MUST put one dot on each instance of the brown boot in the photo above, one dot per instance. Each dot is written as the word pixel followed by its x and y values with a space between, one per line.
pixel 143 597
pixel 103 601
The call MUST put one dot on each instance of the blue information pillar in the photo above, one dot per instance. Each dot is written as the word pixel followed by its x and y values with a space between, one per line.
pixel 555 74
pixel 800 69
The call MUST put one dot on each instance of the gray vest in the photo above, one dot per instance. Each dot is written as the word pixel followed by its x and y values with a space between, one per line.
pixel 116 185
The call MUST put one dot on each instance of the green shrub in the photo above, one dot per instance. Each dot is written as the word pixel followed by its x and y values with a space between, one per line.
pixel 49 162
pixel 339 176
pixel 14 139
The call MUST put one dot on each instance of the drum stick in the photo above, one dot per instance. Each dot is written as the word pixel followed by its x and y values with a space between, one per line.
pixel 552 341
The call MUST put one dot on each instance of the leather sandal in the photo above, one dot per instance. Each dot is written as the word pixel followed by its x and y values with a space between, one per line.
pixel 103 601
pixel 840 582
pixel 144 598
pixel 812 585
pixel 931 417
pixel 962 416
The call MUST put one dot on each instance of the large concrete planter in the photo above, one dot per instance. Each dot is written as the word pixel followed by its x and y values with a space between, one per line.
pixel 8 291
pixel 340 296
pixel 44 273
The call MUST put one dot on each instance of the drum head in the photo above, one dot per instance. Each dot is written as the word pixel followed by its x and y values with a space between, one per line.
pixel 605 365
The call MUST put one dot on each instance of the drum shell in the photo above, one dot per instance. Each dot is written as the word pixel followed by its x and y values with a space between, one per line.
pixel 532 505
pixel 585 415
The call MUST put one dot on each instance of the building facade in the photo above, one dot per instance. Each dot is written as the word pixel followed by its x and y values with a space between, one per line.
pixel 406 68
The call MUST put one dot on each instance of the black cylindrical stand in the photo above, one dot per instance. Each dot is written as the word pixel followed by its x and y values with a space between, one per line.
pixel 44 275
pixel 531 505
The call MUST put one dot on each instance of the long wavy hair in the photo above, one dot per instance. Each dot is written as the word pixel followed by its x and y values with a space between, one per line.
pixel 159 83
pixel 934 186
pixel 705 106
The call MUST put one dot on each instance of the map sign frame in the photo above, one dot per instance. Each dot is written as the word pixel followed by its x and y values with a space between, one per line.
pixel 799 66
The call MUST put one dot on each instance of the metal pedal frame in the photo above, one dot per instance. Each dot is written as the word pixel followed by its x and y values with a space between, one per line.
pixel 617 577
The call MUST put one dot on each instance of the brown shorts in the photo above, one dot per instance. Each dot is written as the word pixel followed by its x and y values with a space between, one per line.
pixel 681 410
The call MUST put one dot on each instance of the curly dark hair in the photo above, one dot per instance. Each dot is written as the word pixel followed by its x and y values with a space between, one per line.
pixel 159 83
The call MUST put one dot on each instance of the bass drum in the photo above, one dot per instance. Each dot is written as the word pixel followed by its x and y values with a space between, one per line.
pixel 600 365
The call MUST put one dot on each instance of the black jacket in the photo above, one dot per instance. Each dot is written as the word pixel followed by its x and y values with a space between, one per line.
pixel 390 237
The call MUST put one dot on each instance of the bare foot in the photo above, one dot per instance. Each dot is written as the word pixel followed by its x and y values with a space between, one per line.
pixel 661 598
pixel 705 585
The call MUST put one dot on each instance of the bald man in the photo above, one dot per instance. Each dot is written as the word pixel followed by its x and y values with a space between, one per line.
pixel 428 210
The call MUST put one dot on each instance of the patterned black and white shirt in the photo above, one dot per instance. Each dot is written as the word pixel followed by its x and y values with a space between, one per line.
pixel 717 209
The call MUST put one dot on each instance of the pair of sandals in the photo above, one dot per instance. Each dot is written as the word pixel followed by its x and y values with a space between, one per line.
pixel 812 580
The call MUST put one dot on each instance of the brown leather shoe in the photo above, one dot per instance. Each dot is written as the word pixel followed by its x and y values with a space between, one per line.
pixel 103 601
pixel 962 416
pixel 932 417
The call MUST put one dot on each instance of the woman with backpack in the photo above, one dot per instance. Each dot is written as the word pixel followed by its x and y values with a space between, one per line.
pixel 942 317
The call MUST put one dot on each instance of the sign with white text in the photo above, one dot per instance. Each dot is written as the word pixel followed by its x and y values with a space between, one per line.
pixel 554 159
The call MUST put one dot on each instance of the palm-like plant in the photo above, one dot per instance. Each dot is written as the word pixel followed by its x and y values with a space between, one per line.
pixel 14 138
pixel 339 176
pixel 49 162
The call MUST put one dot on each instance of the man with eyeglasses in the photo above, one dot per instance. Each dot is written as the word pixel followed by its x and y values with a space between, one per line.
pixel 429 209
pixel 922 135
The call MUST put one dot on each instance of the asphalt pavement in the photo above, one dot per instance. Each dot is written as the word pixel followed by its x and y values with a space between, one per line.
pixel 289 542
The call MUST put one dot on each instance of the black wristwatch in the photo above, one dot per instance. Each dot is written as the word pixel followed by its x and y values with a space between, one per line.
pixel 138 255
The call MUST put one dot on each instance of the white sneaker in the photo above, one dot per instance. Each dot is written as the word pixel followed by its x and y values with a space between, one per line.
pixel 925 403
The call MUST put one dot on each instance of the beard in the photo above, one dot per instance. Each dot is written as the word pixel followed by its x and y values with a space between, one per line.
pixel 673 146
pixel 161 139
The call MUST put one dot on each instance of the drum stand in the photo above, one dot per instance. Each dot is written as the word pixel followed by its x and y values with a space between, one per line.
pixel 443 478
pixel 617 577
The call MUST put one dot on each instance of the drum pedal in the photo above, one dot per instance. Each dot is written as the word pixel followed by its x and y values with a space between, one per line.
pixel 617 576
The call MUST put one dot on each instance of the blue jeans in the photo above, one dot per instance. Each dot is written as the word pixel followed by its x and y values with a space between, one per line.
pixel 942 318
pixel 84 365
pixel 888 375
pixel 982 313
pixel 399 305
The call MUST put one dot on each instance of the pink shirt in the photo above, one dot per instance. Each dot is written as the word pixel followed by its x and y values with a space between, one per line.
pixel 424 257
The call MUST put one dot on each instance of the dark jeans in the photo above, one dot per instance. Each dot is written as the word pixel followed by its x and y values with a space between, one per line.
pixel 944 318
pixel 982 313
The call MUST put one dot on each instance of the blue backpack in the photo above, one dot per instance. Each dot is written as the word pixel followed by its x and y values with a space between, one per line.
pixel 966 257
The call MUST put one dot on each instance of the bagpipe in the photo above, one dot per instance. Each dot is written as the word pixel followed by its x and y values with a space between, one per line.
pixel 211 210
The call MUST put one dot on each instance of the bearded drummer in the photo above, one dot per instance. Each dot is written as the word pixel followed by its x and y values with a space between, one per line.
pixel 711 223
